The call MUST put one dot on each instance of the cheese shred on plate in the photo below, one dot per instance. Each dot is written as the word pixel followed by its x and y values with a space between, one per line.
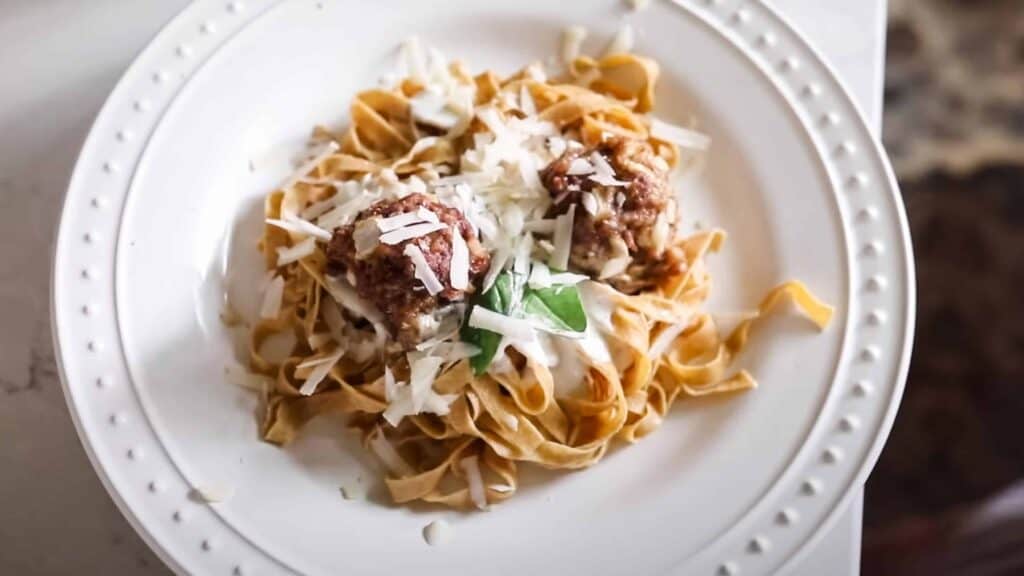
pixel 424 273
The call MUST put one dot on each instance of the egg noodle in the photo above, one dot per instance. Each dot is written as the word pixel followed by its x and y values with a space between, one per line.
pixel 460 436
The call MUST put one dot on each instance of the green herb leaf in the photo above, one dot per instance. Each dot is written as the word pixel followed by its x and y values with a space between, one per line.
pixel 560 305
pixel 498 299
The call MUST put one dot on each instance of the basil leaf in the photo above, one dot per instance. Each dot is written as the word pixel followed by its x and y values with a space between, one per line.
pixel 498 299
pixel 560 305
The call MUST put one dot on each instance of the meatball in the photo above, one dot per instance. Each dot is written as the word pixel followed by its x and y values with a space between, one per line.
pixel 623 222
pixel 386 277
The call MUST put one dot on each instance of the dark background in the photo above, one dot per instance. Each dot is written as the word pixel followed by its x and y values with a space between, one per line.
pixel 944 497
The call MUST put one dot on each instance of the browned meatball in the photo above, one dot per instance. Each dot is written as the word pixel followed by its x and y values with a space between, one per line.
pixel 636 217
pixel 386 277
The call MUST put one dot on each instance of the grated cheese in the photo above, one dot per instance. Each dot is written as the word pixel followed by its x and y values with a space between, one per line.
pixel 305 248
pixel 622 42
pixel 580 167
pixel 498 261
pixel 413 61
pixel 239 376
pixel 666 337
pixel 562 240
pixel 422 372
pixel 514 328
pixel 409 232
pixel 311 164
pixel 682 137
pixel 300 226
pixel 272 297
pixel 318 340
pixel 346 295
pixel 455 351
pixel 390 457
pixel 332 317
pixel 316 209
pixel 556 146
pixel 604 174
pixel 590 204
pixel 542 226
pixel 346 212
pixel 431 108
pixel 572 42
pixel 523 252
pixel 509 421
pixel 399 221
pixel 437 533
pixel 475 481
pixel 424 273
pixel 321 368
pixel 415 184
pixel 458 267
pixel 540 276
pixel 366 237
pixel 617 264
pixel 526 103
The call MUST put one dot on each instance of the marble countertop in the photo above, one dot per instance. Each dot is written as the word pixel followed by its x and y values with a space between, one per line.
pixel 60 59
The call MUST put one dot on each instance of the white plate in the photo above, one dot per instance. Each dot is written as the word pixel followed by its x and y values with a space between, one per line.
pixel 164 194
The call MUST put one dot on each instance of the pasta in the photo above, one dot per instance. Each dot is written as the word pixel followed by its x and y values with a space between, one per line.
pixel 526 344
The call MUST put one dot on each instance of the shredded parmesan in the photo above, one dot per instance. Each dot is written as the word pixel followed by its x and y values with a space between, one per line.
pixel 526 103
pixel 666 337
pixel 272 297
pixel 540 276
pixel 239 376
pixel 366 237
pixel 617 264
pixel 316 209
pixel 319 372
pixel 458 268
pixel 307 167
pixel 475 481
pixel 332 317
pixel 515 328
pixel 562 239
pixel 345 213
pixel 300 226
pixel 622 42
pixel 437 533
pixel 390 457
pixel 682 137
pixel 347 296
pixel 604 174
pixel 455 351
pixel 431 107
pixel 422 372
pixel 409 232
pixel 398 221
pixel 567 279
pixel 498 261
pixel 523 253
pixel 305 248
pixel 318 340
pixel 580 167
pixel 590 204
pixel 424 273
pixel 543 226
pixel 572 42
